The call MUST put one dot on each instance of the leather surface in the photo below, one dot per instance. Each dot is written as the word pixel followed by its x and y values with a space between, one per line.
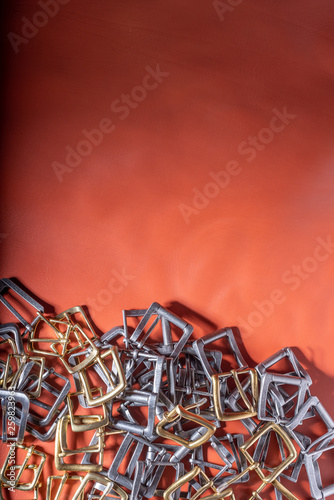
pixel 208 186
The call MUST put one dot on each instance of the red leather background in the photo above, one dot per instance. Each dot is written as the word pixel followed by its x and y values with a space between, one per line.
pixel 141 218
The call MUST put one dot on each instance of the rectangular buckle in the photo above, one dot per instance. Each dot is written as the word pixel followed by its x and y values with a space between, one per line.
pixel 223 333
pixel 167 318
pixel 269 427
pixel 56 493
pixel 113 389
pixel 9 401
pixel 37 469
pixel 7 284
pixel 216 390
pixel 62 451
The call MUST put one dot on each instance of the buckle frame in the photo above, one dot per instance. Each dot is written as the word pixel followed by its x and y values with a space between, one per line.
pixel 174 416
pixel 251 407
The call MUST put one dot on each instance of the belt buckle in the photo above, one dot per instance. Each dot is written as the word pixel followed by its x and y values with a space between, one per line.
pixel 208 484
pixel 59 338
pixel 116 389
pixel 270 426
pixel 107 485
pixel 62 450
pixel 85 343
pixel 175 415
pixel 6 284
pixel 251 407
pixel 82 423
pixel 36 468
pixel 56 495
pixel 11 331
pixel 167 318
pixel 11 398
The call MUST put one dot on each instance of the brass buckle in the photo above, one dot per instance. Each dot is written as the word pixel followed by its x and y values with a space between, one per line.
pixel 67 321
pixel 251 407
pixel 83 343
pixel 56 495
pixel 82 423
pixel 270 426
pixel 62 450
pixel 58 339
pixel 197 471
pixel 100 480
pixel 116 389
pixel 174 416
pixel 34 490
pixel 21 468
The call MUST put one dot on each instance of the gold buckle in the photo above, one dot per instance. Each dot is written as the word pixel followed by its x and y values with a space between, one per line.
pixel 270 426
pixel 251 407
pixel 174 416
pixel 117 389
pixel 82 423
pixel 59 339
pixel 62 450
pixel 21 468
pixel 197 471
pixel 63 480
pixel 34 490
pixel 65 320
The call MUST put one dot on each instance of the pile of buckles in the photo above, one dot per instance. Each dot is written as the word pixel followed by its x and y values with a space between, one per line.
pixel 159 409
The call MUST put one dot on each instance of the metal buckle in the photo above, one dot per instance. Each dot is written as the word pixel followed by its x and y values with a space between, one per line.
pixel 98 361
pixel 59 338
pixel 62 450
pixel 7 284
pixel 34 490
pixel 139 336
pixel 278 406
pixel 56 495
pixel 37 469
pixel 174 416
pixel 148 397
pixel 67 322
pixel 102 484
pixel 11 331
pixel 60 396
pixel 20 379
pixel 82 423
pixel 208 484
pixel 9 401
pixel 251 407
pixel 269 427
pixel 225 333
pixel 124 478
